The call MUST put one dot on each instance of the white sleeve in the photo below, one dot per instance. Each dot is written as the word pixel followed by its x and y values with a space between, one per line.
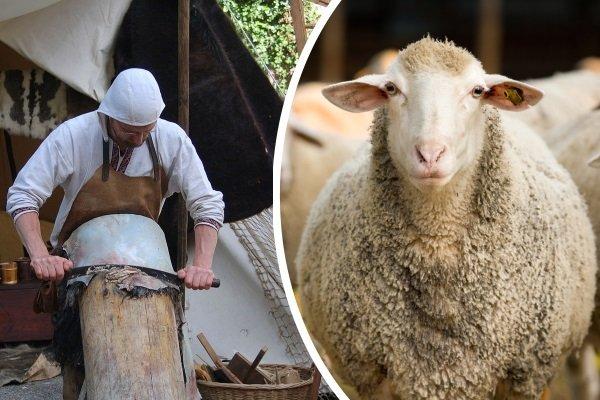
pixel 204 204
pixel 50 166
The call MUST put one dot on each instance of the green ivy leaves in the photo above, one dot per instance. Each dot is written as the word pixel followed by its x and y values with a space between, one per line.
pixel 265 27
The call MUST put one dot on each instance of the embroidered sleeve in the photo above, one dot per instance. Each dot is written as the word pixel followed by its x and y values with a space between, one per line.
pixel 209 222
pixel 23 210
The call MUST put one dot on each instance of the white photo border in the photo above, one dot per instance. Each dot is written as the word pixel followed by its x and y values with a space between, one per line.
pixel 283 122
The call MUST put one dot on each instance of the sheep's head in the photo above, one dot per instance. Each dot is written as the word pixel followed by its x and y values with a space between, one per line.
pixel 434 93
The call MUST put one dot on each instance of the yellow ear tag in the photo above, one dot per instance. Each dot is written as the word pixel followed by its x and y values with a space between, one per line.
pixel 514 95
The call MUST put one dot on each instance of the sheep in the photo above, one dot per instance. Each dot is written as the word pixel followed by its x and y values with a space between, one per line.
pixel 590 64
pixel 319 139
pixel 378 63
pixel 315 112
pixel 576 145
pixel 453 256
pixel 558 106
pixel 310 157
pixel 576 148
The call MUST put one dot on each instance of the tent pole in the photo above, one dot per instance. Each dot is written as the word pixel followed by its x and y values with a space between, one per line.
pixel 10 155
pixel 12 165
pixel 183 109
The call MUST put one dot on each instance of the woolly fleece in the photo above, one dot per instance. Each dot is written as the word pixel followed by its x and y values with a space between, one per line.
pixel 449 296
pixel 579 142
pixel 429 54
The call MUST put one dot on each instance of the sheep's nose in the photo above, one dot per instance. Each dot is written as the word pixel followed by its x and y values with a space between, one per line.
pixel 430 154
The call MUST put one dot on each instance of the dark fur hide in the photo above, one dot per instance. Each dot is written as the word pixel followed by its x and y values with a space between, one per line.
pixel 234 110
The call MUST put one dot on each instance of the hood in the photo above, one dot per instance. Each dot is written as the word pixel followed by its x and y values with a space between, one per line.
pixel 133 98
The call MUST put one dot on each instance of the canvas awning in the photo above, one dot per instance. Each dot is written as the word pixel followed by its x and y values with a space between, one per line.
pixel 71 39
pixel 12 9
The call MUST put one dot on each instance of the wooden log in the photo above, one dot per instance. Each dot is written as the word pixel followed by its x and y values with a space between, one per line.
pixel 130 346
pixel 298 22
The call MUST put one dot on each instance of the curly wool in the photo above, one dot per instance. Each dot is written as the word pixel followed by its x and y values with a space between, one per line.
pixel 429 54
pixel 578 142
pixel 450 295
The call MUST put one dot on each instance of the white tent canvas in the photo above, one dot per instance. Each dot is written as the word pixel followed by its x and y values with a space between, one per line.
pixel 236 316
pixel 71 39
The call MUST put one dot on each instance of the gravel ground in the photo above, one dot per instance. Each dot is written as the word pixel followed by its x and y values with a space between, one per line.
pixel 49 389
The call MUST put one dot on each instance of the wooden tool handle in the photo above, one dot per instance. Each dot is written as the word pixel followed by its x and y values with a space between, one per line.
pixel 215 358
pixel 255 363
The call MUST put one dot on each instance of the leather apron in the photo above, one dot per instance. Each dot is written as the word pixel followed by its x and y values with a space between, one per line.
pixel 112 192
pixel 106 192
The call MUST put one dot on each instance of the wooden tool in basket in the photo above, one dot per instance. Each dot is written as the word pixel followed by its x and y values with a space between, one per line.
pixel 247 371
pixel 221 370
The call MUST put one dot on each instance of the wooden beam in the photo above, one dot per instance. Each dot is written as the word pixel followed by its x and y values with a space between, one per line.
pixel 489 35
pixel 184 118
pixel 298 21
pixel 332 50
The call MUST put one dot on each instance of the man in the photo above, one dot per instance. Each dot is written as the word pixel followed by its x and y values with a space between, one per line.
pixel 71 155
pixel 121 158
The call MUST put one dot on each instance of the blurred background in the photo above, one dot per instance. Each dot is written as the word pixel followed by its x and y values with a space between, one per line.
pixel 521 39
pixel 554 44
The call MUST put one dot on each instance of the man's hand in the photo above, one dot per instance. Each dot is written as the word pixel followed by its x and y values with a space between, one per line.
pixel 196 277
pixel 51 268
pixel 46 267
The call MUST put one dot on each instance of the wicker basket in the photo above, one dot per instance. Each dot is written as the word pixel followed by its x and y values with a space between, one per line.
pixel 233 391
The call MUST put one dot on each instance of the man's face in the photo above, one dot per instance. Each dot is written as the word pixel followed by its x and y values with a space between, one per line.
pixel 130 135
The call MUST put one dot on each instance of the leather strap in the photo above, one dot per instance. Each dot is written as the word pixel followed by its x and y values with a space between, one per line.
pixel 154 157
pixel 105 164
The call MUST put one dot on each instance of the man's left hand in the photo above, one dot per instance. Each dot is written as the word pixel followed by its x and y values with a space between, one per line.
pixel 196 277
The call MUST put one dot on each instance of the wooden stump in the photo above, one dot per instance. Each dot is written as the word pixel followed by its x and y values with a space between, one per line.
pixel 130 346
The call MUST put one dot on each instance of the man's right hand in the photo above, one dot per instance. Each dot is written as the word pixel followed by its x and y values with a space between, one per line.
pixel 51 268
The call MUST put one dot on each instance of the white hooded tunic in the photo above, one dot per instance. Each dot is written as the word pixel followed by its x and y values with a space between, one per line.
pixel 71 154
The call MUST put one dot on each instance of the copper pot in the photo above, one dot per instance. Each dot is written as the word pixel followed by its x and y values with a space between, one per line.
pixel 9 273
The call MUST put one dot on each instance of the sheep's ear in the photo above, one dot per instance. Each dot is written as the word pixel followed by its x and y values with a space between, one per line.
pixel 363 94
pixel 595 161
pixel 509 94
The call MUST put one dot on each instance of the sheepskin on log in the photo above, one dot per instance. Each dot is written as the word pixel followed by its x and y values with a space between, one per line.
pixel 131 345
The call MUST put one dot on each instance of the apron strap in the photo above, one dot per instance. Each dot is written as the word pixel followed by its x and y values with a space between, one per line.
pixel 153 155
pixel 105 164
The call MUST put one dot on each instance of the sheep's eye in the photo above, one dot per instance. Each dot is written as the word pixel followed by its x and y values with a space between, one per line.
pixel 391 89
pixel 477 91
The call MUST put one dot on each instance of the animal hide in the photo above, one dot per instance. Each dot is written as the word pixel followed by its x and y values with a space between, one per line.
pixel 234 110
pixel 32 102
